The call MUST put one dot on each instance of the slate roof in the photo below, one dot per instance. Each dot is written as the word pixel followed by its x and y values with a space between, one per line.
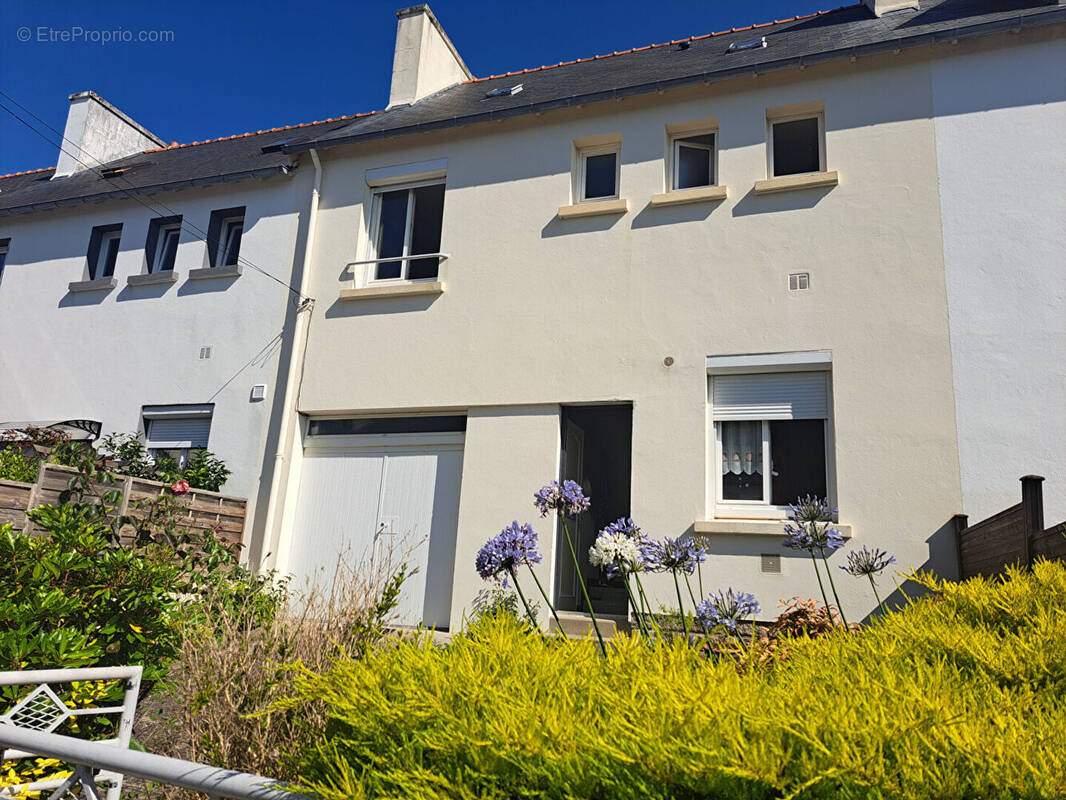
pixel 815 38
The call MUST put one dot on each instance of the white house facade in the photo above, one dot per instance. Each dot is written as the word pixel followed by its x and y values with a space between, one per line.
pixel 701 279
pixel 821 256
pixel 134 296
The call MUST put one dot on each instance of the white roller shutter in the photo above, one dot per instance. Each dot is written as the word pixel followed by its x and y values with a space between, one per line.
pixel 178 432
pixel 775 395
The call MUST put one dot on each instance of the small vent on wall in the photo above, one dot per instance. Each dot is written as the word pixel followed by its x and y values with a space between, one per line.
pixel 205 352
pixel 259 391
pixel 771 562
pixel 799 281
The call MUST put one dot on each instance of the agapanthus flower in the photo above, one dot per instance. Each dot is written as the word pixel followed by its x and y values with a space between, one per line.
pixel 867 562
pixel 507 550
pixel 726 609
pixel 624 526
pixel 811 526
pixel 614 552
pixel 680 555
pixel 566 498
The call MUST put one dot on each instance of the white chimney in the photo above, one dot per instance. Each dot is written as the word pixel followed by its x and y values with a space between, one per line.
pixel 425 60
pixel 882 7
pixel 96 133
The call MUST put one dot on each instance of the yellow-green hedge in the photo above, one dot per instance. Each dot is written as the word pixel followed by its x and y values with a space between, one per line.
pixel 959 696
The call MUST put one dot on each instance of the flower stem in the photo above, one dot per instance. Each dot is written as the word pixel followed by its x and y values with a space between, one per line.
pixel 680 605
pixel 833 586
pixel 543 594
pixel 691 596
pixel 699 574
pixel 584 591
pixel 880 605
pixel 818 574
pixel 650 617
pixel 633 602
pixel 529 611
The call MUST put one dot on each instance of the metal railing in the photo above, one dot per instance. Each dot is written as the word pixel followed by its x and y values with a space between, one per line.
pixel 27 730
pixel 87 756
pixel 42 709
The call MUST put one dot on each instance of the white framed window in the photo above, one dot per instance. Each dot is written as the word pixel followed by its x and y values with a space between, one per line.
pixel 4 244
pixel 161 248
pixel 772 437
pixel 103 250
pixel 176 432
pixel 224 235
pixel 693 161
pixel 795 143
pixel 598 172
pixel 406 222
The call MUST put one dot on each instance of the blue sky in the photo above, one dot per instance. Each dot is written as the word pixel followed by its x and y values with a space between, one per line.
pixel 232 67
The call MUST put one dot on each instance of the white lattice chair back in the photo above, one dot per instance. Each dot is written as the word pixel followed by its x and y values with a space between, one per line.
pixel 42 709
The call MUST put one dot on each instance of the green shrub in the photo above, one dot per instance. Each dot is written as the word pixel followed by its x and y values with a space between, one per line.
pixel 961 695
pixel 71 599
pixel 14 466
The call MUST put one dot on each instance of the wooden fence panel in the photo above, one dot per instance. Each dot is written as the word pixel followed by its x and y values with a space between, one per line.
pixel 204 510
pixel 1015 535
pixel 14 500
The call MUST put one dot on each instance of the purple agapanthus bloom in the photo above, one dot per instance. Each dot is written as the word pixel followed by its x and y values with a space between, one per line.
pixel 507 550
pixel 626 527
pixel 811 526
pixel 867 562
pixel 669 555
pixel 726 609
pixel 566 498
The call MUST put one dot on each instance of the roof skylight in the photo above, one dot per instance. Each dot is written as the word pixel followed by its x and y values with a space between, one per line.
pixel 750 44
pixel 505 90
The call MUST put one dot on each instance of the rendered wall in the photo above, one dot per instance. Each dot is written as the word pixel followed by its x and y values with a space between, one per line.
pixel 541 310
pixel 1000 117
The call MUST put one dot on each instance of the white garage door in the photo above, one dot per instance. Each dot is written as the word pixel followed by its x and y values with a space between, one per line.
pixel 384 498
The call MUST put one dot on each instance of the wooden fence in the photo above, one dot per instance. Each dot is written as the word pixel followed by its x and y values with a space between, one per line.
pixel 204 510
pixel 1015 535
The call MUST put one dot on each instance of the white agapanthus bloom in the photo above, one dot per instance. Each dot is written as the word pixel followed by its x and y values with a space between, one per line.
pixel 615 550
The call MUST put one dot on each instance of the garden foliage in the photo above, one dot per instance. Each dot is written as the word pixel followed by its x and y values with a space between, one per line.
pixel 960 695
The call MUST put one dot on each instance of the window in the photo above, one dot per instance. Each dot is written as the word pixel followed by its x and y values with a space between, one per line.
pixel 4 243
pixel 797 145
pixel 693 160
pixel 103 251
pixel 224 236
pixel 770 439
pixel 161 247
pixel 598 172
pixel 407 222
pixel 176 432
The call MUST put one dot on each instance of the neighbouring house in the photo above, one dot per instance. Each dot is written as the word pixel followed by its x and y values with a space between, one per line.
pixel 133 289
pixel 822 255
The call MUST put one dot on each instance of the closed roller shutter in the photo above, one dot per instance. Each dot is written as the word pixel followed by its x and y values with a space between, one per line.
pixel 776 395
pixel 178 432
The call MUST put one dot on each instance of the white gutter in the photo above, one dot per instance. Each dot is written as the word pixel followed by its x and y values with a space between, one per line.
pixel 288 433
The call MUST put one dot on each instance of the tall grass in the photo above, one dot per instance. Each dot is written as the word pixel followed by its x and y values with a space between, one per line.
pixel 216 706
pixel 961 695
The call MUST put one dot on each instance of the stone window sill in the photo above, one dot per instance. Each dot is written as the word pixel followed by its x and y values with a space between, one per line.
pixel 698 194
pixel 167 276
pixel 752 527
pixel 398 290
pixel 788 183
pixel 594 208
pixel 215 272
pixel 98 285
